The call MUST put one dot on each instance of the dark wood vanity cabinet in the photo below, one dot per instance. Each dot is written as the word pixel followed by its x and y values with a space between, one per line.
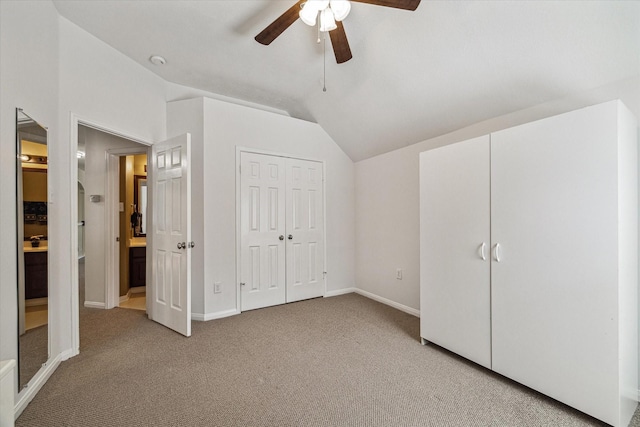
pixel 35 275
pixel 137 266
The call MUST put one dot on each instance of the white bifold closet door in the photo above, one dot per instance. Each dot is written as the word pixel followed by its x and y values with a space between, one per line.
pixel 282 230
pixel 455 243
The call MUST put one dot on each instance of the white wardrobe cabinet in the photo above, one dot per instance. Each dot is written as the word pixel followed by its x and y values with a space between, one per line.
pixel 553 304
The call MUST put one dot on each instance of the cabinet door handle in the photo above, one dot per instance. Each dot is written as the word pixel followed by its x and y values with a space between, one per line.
pixel 483 255
pixel 496 252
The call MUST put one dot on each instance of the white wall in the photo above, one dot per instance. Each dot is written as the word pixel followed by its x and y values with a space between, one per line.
pixel 387 196
pixel 95 182
pixel 52 68
pixel 28 79
pixel 227 126
pixel 103 87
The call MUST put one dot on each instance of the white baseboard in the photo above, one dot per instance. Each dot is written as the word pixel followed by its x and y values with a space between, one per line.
pixel 93 304
pixel 388 302
pixel 29 392
pixel 337 292
pixel 68 354
pixel 36 301
pixel 123 298
pixel 398 306
pixel 212 316
pixel 138 290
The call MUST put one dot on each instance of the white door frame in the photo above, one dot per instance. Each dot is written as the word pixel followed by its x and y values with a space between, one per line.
pixel 111 206
pixel 74 122
pixel 239 151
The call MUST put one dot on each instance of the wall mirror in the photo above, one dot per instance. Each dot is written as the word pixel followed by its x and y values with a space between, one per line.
pixel 139 218
pixel 32 247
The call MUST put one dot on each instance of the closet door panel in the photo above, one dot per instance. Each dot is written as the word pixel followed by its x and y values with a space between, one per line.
pixel 454 224
pixel 554 289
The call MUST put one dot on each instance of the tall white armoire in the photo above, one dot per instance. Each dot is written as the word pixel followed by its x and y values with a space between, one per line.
pixel 529 256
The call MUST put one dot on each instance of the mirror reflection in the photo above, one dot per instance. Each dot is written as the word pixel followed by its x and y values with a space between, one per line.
pixel 32 246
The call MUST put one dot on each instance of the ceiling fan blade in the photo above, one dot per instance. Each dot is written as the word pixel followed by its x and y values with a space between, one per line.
pixel 340 44
pixel 398 4
pixel 278 26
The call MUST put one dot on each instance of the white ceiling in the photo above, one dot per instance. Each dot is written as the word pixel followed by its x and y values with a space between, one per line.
pixel 413 76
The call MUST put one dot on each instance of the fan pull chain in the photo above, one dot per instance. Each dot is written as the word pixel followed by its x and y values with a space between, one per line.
pixel 324 64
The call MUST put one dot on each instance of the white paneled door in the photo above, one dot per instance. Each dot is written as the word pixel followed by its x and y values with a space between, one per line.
pixel 262 224
pixel 305 230
pixel 170 302
pixel 281 230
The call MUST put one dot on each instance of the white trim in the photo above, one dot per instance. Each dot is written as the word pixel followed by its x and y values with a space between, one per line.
pixel 212 316
pixel 36 301
pixel 31 389
pixel 68 354
pixel 239 151
pixel 94 304
pixel 339 292
pixel 388 302
pixel 112 220
pixel 131 291
pixel 74 122
pixel 125 297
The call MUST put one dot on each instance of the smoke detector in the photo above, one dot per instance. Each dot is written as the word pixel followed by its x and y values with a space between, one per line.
pixel 157 60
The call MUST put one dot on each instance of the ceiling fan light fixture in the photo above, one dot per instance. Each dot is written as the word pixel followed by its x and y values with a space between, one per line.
pixel 340 8
pixel 327 21
pixel 308 15
pixel 317 5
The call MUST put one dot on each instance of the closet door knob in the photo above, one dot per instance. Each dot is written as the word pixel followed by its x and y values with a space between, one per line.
pixel 281 237
pixel 290 237
pixel 182 245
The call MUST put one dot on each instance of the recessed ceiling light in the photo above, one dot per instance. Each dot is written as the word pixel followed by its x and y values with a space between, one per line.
pixel 157 60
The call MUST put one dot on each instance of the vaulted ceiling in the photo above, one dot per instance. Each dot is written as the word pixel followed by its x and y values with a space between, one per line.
pixel 413 76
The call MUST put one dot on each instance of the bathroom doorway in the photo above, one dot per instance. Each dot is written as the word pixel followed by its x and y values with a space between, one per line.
pixel 133 230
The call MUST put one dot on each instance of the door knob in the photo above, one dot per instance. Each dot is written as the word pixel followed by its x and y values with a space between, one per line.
pixel 290 237
pixel 281 237
pixel 182 245
pixel 191 245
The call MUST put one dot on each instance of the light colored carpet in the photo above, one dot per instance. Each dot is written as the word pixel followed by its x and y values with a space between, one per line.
pixel 341 361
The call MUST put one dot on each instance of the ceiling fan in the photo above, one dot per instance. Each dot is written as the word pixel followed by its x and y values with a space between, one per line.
pixel 330 14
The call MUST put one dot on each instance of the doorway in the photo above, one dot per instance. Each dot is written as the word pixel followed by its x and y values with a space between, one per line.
pixel 281 230
pixel 107 203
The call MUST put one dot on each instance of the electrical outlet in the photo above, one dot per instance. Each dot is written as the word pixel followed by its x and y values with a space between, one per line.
pixel 217 287
pixel 399 274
